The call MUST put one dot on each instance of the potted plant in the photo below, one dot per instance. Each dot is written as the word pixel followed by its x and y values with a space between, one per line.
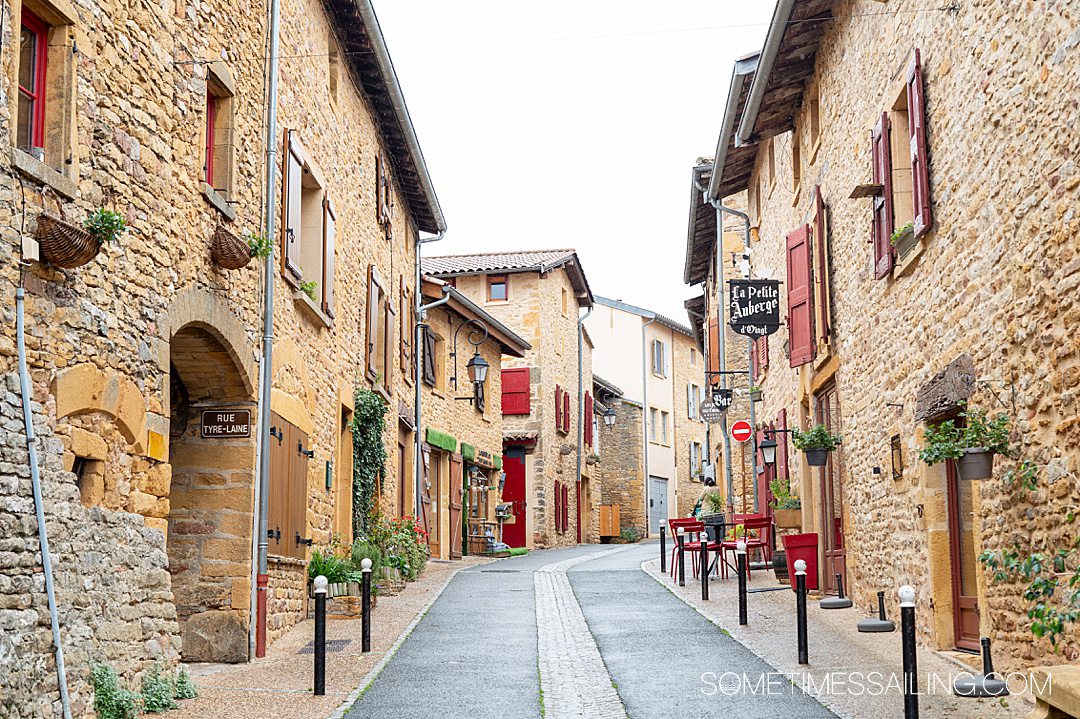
pixel 973 446
pixel 67 245
pixel 788 507
pixel 755 394
pixel 816 443
pixel 711 512
pixel 903 239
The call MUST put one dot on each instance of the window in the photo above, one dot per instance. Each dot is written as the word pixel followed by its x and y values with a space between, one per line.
pixel 663 427
pixel 881 174
pixel 515 391
pixel 695 459
pixel 801 345
pixel 496 288
pixel 333 69
pixel 380 338
pixel 693 357
pixel 814 113
pixel 654 423
pixel 562 410
pixel 693 401
pixel 565 302
pixel 218 150
pixel 407 321
pixel 287 515
pixel 33 60
pixel 659 359
pixel 310 227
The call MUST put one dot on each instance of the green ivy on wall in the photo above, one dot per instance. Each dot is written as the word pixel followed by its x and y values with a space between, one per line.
pixel 369 456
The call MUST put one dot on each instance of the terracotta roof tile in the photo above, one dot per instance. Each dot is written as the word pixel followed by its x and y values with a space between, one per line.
pixel 490 261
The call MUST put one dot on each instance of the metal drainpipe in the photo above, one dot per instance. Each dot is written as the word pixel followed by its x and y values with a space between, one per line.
pixel 39 506
pixel 581 408
pixel 418 356
pixel 257 643
pixel 645 419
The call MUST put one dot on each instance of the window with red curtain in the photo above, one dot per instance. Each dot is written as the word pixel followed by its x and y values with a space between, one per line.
pixel 33 58
pixel 800 297
pixel 515 391
pixel 920 169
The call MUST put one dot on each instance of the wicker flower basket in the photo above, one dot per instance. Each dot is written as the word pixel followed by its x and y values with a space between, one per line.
pixel 229 251
pixel 64 244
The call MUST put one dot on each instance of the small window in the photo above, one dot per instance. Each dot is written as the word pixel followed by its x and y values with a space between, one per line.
pixel 693 356
pixel 796 161
pixel 659 359
pixel 434 360
pixel 664 427
pixel 33 59
pixel 380 343
pixel 653 423
pixel 772 162
pixel 496 288
pixel 565 302
pixel 218 150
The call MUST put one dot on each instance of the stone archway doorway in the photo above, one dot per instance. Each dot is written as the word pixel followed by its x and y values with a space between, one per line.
pixel 211 498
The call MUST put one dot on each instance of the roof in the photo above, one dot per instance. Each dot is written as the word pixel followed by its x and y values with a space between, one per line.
pixel 785 67
pixel 701 229
pixel 512 262
pixel 511 343
pixel 695 310
pixel 733 162
pixel 606 386
pixel 362 42
pixel 648 314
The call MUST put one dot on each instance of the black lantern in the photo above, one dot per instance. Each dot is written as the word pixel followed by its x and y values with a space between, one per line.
pixel 478 368
pixel 768 451
pixel 609 417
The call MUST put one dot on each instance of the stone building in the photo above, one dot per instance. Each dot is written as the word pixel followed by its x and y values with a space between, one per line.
pixel 144 362
pixel 462 442
pixel 621 467
pixel 912 180
pixel 658 364
pixel 539 295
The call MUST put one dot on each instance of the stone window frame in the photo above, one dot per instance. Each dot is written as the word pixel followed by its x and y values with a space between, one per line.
pixel 57 165
pixel 218 139
pixel 333 69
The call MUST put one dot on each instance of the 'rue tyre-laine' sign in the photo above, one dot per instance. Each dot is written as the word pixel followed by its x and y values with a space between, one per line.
pixel 226 424
pixel 754 307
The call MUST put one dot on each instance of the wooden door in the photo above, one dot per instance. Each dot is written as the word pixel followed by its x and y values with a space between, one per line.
pixel 831 528
pixel 434 505
pixel 455 492
pixel 403 473
pixel 513 494
pixel 964 563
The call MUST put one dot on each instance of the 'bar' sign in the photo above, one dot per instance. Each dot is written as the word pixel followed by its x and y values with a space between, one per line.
pixel 226 424
pixel 754 307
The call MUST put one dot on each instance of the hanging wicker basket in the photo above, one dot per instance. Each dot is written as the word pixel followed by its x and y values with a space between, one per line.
pixel 229 251
pixel 62 243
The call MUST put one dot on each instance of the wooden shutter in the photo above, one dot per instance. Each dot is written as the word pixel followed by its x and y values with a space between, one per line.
pixel 329 236
pixel 920 169
pixel 782 442
pixel 558 408
pixel 689 401
pixel 587 419
pixel 566 411
pixel 763 351
pixel 821 277
pixel 515 391
pixel 404 330
pixel 456 492
pixel 713 361
pixel 566 507
pixel 388 342
pixel 374 285
pixel 883 203
pixel 800 297
pixel 277 514
pixel 291 227
pixel 380 210
pixel 429 357
pixel 558 507
pixel 298 492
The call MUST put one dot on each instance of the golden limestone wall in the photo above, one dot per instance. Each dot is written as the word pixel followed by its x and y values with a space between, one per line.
pixel 994 279
pixel 688 368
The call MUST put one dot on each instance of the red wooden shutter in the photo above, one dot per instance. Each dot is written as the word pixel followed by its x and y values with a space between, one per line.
pixel 566 507
pixel 713 361
pixel 293 188
pixel 515 391
pixel 558 407
pixel 587 419
pixel 920 169
pixel 821 276
pixel 883 203
pixel 782 442
pixel 800 297
pixel 566 411
pixel 763 352
pixel 329 236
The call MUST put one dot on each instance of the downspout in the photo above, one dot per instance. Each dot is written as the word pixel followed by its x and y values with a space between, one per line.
pixel 581 408
pixel 39 505
pixel 645 419
pixel 258 641
pixel 418 358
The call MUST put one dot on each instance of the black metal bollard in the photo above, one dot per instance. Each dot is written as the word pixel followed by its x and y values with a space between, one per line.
pixel 907 631
pixel 663 549
pixel 320 635
pixel 681 538
pixel 800 611
pixel 704 566
pixel 365 606
pixel 740 567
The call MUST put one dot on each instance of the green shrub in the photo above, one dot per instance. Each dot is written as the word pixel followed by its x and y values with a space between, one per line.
pixel 185 688
pixel 361 550
pixel 158 692
pixel 334 568
pixel 630 535
pixel 111 701
pixel 782 496
pixel 518 551
pixel 947 441
pixel 713 502
pixel 817 437
pixel 105 225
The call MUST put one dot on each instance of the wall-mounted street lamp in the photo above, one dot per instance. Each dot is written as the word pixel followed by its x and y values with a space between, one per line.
pixel 768 445
pixel 477 366
pixel 609 417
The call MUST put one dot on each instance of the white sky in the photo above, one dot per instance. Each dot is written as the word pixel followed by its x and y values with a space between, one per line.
pixel 542 130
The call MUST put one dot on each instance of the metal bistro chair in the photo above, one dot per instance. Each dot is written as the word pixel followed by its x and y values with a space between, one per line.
pixel 693 531
pixel 758 523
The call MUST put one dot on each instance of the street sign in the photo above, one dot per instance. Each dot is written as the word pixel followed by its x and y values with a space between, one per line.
pixel 741 431
pixel 723 398
pixel 226 424
pixel 710 412
pixel 754 307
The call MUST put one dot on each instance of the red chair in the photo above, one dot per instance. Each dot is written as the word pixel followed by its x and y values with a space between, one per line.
pixel 693 531
pixel 751 524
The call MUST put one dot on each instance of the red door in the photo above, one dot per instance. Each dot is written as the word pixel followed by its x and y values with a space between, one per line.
pixel 514 494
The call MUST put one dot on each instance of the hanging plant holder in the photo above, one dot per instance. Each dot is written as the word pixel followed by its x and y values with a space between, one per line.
pixel 976 463
pixel 229 251
pixel 816 457
pixel 62 243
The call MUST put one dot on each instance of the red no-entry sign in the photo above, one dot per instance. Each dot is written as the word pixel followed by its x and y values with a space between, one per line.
pixel 741 431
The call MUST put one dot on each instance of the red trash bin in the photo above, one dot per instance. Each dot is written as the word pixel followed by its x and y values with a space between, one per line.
pixel 804 547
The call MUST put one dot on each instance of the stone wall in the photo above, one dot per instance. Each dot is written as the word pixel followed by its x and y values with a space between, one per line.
pixel 687 369
pixel 287 601
pixel 621 465
pixel 994 278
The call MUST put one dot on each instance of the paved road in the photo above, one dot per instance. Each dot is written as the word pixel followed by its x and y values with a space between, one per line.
pixel 589 621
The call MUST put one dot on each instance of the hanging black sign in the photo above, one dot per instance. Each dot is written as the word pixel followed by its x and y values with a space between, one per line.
pixel 722 398
pixel 754 307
